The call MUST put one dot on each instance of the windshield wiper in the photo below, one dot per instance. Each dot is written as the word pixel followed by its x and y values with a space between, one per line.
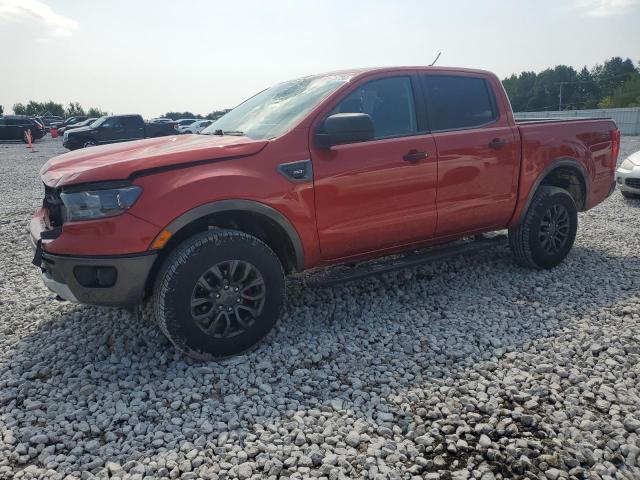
pixel 237 133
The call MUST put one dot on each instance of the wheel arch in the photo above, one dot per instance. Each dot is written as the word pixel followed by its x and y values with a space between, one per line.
pixel 567 173
pixel 249 216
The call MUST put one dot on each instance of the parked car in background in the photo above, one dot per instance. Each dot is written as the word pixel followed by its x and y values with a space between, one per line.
pixel 628 176
pixel 51 120
pixel 84 123
pixel 115 129
pixel 40 125
pixel 70 121
pixel 184 123
pixel 15 127
pixel 161 120
pixel 323 170
pixel 197 127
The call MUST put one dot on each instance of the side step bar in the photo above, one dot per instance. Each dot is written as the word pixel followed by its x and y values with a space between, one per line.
pixel 342 274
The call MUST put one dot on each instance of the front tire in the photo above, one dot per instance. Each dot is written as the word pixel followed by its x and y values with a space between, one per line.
pixel 89 143
pixel 218 294
pixel 546 234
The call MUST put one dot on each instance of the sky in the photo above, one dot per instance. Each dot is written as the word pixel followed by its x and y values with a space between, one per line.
pixel 154 56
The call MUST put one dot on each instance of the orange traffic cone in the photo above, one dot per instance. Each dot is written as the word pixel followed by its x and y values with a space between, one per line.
pixel 29 138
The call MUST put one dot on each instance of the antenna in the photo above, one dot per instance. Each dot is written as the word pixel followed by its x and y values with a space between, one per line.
pixel 434 62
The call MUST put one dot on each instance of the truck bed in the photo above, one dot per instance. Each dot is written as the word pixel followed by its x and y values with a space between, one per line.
pixel 587 141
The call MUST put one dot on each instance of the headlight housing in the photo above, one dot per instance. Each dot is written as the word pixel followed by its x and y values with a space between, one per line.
pixel 99 203
pixel 627 164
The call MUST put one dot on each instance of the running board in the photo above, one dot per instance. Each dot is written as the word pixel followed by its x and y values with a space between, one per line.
pixel 342 274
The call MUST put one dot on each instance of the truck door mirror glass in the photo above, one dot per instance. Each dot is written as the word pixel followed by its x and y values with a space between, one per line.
pixel 343 128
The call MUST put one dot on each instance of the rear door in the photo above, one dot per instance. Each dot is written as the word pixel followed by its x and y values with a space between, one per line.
pixel 15 129
pixel 133 127
pixel 379 194
pixel 477 153
pixel 4 129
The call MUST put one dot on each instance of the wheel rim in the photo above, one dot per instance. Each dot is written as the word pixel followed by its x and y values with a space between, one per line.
pixel 89 144
pixel 228 298
pixel 554 229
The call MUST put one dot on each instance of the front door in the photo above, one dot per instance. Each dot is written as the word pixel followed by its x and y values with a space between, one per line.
pixel 378 194
pixel 478 153
pixel 111 130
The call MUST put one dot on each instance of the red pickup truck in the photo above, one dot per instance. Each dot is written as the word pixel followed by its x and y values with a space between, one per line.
pixel 328 169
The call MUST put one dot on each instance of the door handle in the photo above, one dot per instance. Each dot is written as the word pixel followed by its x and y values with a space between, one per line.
pixel 414 156
pixel 497 144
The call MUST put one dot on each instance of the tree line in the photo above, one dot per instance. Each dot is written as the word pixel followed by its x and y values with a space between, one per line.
pixel 216 114
pixel 613 84
pixel 74 109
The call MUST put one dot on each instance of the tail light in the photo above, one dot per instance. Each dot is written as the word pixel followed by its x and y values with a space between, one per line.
pixel 615 145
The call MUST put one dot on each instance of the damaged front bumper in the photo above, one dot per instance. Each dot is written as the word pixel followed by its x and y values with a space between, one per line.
pixel 119 280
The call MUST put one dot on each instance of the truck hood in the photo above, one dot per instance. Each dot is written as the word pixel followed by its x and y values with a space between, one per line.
pixel 119 161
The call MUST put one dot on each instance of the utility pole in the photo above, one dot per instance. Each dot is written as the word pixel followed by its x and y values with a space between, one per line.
pixel 560 102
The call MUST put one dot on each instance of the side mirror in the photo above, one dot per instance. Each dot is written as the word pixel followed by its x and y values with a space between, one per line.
pixel 345 128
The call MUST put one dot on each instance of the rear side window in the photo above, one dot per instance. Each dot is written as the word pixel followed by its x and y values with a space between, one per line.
pixel 130 122
pixel 389 103
pixel 458 102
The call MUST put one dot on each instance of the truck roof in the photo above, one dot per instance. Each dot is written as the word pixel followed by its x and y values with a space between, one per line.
pixel 357 72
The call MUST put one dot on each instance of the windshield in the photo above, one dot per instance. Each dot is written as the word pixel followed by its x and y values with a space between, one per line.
pixel 98 122
pixel 276 110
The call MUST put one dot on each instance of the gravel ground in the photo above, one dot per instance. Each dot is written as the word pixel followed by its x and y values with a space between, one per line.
pixel 461 369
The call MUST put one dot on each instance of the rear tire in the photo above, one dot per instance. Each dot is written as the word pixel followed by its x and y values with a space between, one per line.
pixel 218 294
pixel 546 234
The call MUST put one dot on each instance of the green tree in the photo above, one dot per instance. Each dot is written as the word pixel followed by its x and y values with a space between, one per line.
pixel 179 115
pixel 627 95
pixel 216 114
pixel 530 91
pixel 74 110
pixel 96 113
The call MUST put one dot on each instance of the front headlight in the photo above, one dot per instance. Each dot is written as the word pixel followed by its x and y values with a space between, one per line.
pixel 91 204
pixel 627 164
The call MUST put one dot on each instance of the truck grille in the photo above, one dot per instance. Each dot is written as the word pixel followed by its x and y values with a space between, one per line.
pixel 633 182
pixel 53 204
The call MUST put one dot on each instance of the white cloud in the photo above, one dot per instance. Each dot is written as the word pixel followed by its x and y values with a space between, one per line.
pixel 605 8
pixel 24 11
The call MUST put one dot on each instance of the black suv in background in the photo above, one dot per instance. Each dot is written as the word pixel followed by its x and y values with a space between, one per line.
pixel 14 127
pixel 114 129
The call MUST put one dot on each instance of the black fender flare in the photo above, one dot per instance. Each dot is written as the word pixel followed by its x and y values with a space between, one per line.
pixel 554 165
pixel 246 206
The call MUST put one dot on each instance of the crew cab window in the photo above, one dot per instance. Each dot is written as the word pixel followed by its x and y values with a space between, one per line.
pixel 389 103
pixel 130 122
pixel 112 123
pixel 455 102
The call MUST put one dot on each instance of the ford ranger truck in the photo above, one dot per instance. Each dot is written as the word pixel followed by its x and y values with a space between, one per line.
pixel 324 170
